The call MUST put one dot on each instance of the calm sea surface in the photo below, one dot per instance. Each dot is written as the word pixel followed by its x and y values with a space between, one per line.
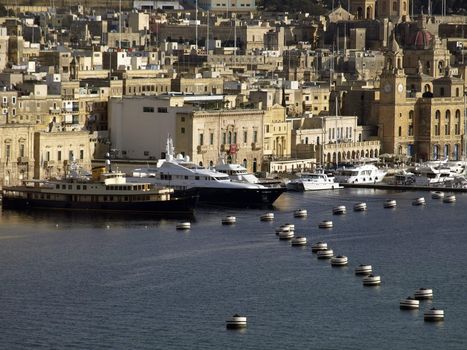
pixel 84 282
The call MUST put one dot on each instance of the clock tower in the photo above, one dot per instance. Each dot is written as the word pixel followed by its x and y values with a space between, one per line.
pixel 395 110
pixel 393 78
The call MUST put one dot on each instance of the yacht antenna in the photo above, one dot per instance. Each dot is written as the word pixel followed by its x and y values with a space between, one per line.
pixel 196 26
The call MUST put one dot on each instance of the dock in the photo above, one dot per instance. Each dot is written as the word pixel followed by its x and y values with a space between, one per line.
pixel 389 187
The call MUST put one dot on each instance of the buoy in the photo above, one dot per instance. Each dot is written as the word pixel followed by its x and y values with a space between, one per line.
pixel 183 226
pixel 286 235
pixel 298 241
pixel 325 224
pixel 236 322
pixel 363 269
pixel 409 304
pixel 339 210
pixel 390 203
pixel 449 198
pixel 339 260
pixel 434 315
pixel 423 293
pixel 267 217
pixel 325 254
pixel 437 195
pixel 371 280
pixel 359 207
pixel 419 201
pixel 229 220
pixel 300 213
pixel 316 247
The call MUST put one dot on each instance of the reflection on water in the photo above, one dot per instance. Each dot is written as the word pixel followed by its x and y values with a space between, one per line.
pixel 107 281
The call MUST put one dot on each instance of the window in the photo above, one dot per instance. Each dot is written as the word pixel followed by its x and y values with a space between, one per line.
pixel 81 154
pixel 182 130
pixel 201 139
pixel 447 123
pixel 255 136
pixel 162 109
pixel 400 131
pixel 59 155
pixel 148 109
pixel 457 125
pixel 245 136
pixel 21 149
pixel 224 138
pixel 13 99
pixel 441 92
pixel 211 138
pixel 437 123
pixel 70 155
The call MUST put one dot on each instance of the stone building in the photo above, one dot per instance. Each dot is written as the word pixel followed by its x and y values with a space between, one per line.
pixel 53 152
pixel 16 153
pixel 424 120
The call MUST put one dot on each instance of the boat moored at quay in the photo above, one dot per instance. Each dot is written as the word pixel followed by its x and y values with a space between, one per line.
pixel 105 191
pixel 213 187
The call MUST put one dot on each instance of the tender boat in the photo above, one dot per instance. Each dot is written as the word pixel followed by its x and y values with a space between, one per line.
pixel 316 247
pixel 213 187
pixel 362 174
pixel 312 182
pixel 104 191
pixel 363 269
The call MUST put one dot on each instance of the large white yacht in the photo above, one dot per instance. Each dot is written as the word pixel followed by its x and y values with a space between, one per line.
pixel 312 182
pixel 361 174
pixel 213 187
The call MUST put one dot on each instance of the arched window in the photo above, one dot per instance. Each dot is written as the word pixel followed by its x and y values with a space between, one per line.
pixel 245 163
pixel 435 152
pixel 306 140
pixel 457 122
pixel 447 123
pixel 427 88
pixel 394 6
pixel 437 122
pixel 411 121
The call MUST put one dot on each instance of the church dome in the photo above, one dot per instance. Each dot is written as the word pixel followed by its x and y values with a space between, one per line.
pixel 422 39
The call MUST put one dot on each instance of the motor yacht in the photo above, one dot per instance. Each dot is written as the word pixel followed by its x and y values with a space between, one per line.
pixel 213 187
pixel 361 174
pixel 312 182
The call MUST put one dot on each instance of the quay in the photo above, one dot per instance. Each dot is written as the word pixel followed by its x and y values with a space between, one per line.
pixel 382 186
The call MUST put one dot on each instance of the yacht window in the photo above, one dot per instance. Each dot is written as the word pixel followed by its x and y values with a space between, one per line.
pixel 186 177
pixel 57 187
pixel 85 187
pixel 63 187
pixel 78 187
pixel 70 187
pixel 196 177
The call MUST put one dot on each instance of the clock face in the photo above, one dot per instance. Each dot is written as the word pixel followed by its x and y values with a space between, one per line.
pixel 387 88
pixel 400 87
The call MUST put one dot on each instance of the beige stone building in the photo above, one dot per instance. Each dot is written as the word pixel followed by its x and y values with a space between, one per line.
pixel 16 153
pixel 426 123
pixel 53 152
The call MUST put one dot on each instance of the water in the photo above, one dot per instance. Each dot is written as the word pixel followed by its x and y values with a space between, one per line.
pixel 114 283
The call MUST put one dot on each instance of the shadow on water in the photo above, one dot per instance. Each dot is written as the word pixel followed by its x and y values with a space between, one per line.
pixel 94 218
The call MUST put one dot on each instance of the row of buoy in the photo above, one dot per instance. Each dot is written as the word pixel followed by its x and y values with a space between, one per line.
pixel 324 252
pixel 413 303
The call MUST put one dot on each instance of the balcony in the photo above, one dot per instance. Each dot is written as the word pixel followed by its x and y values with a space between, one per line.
pixel 49 163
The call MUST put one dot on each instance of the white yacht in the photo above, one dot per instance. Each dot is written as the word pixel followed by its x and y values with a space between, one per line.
pixel 429 175
pixel 312 182
pixel 213 187
pixel 361 174
pixel 236 172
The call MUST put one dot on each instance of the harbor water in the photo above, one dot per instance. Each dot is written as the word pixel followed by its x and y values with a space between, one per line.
pixel 104 282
